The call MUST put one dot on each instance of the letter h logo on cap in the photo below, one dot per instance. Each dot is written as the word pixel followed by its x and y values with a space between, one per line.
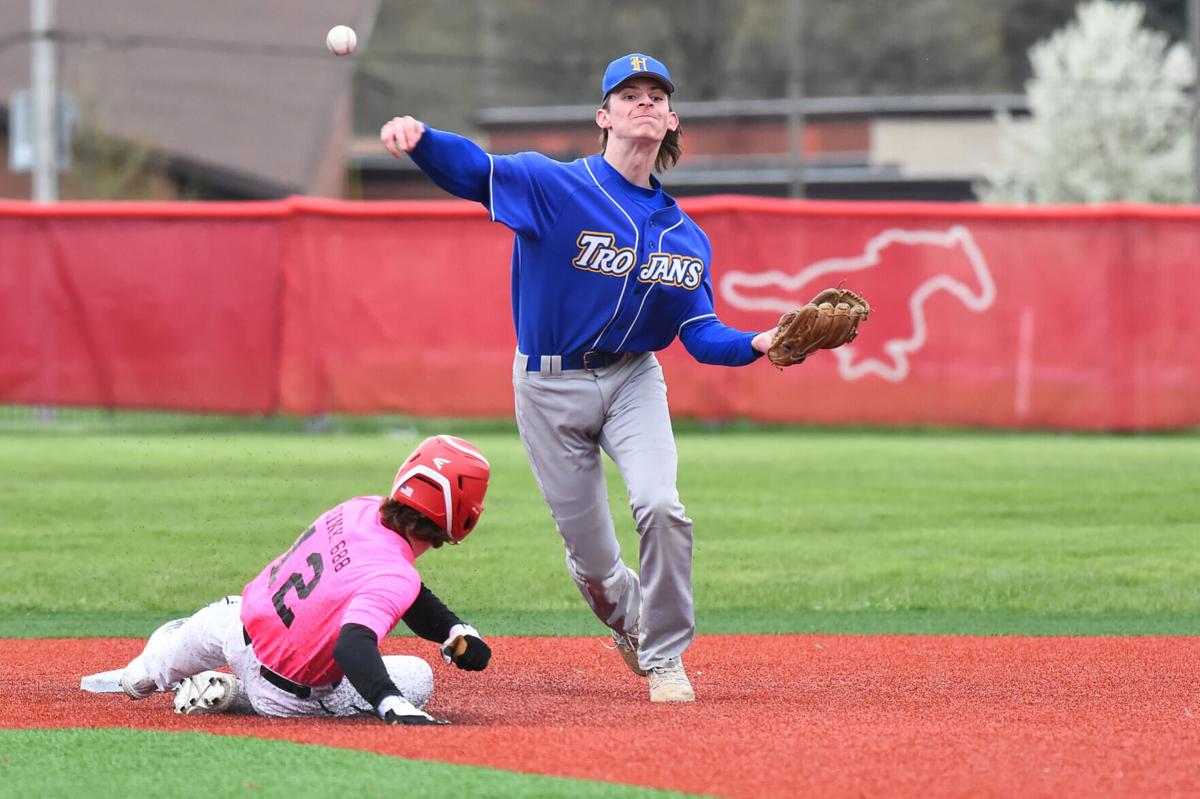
pixel 635 65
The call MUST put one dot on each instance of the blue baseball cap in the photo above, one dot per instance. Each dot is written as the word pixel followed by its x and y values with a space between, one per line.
pixel 635 65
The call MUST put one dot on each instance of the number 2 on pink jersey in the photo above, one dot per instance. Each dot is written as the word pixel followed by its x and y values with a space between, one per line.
pixel 296 580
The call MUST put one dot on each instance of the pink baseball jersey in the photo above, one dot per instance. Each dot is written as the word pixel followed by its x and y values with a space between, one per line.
pixel 345 568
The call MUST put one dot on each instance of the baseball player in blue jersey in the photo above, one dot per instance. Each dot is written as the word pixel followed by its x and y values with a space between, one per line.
pixel 606 270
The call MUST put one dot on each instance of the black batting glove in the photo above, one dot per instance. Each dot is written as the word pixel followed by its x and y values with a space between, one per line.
pixel 476 656
pixel 465 649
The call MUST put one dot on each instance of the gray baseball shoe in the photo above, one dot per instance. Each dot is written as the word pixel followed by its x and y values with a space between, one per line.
pixel 671 684
pixel 211 692
pixel 626 646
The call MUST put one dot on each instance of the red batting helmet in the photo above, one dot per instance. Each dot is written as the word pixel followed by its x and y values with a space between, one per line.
pixel 445 478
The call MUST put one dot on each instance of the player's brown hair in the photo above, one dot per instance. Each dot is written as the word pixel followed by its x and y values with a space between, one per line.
pixel 668 152
pixel 410 522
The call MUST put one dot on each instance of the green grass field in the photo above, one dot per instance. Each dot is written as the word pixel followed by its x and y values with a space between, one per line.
pixel 797 530
pixel 55 763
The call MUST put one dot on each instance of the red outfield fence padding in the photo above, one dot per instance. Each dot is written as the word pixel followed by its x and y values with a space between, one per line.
pixel 1062 317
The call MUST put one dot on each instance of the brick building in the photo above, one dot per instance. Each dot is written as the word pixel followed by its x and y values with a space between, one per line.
pixel 902 148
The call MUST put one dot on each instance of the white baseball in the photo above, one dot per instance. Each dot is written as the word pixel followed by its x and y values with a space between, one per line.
pixel 341 40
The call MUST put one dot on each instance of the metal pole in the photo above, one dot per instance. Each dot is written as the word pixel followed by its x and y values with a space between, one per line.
pixel 1194 38
pixel 44 95
pixel 488 82
pixel 795 93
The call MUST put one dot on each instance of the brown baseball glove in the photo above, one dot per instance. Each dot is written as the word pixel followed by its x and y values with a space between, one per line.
pixel 828 321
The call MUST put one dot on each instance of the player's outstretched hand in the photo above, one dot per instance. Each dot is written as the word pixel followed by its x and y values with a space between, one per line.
pixel 762 342
pixel 399 712
pixel 466 649
pixel 418 719
pixel 401 134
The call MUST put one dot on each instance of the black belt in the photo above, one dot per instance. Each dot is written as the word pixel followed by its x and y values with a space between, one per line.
pixel 284 684
pixel 593 359
pixel 278 680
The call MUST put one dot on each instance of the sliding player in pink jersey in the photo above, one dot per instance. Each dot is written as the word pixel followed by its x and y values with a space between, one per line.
pixel 303 638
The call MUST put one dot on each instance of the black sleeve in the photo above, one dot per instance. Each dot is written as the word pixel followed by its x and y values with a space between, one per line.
pixel 429 617
pixel 357 654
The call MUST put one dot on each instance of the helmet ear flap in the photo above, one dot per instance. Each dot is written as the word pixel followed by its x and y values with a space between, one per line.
pixel 471 489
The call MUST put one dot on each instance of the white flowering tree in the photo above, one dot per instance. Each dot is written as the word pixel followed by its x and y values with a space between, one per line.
pixel 1110 116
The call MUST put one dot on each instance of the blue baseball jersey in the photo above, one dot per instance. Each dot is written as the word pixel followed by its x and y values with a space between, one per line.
pixel 598 263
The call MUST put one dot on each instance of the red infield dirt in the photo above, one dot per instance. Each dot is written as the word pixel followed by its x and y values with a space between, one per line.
pixel 777 716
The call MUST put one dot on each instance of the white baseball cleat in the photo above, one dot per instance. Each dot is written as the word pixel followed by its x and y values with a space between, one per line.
pixel 135 680
pixel 210 692
pixel 671 684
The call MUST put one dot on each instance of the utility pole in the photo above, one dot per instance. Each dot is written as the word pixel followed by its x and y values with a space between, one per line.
pixel 1194 38
pixel 44 95
pixel 794 31
pixel 488 81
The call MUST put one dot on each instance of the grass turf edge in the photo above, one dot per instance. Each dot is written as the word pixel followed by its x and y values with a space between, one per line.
pixel 123 763
pixel 139 624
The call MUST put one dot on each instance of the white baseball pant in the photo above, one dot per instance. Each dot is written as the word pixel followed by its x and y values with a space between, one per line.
pixel 212 638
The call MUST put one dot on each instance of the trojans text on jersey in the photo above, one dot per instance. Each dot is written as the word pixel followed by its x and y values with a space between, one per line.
pixel 598 253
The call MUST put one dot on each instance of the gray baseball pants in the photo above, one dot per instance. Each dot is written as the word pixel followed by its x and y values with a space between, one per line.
pixel 565 418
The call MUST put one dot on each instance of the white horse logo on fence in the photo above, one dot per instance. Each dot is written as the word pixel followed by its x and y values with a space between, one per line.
pixel 780 292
